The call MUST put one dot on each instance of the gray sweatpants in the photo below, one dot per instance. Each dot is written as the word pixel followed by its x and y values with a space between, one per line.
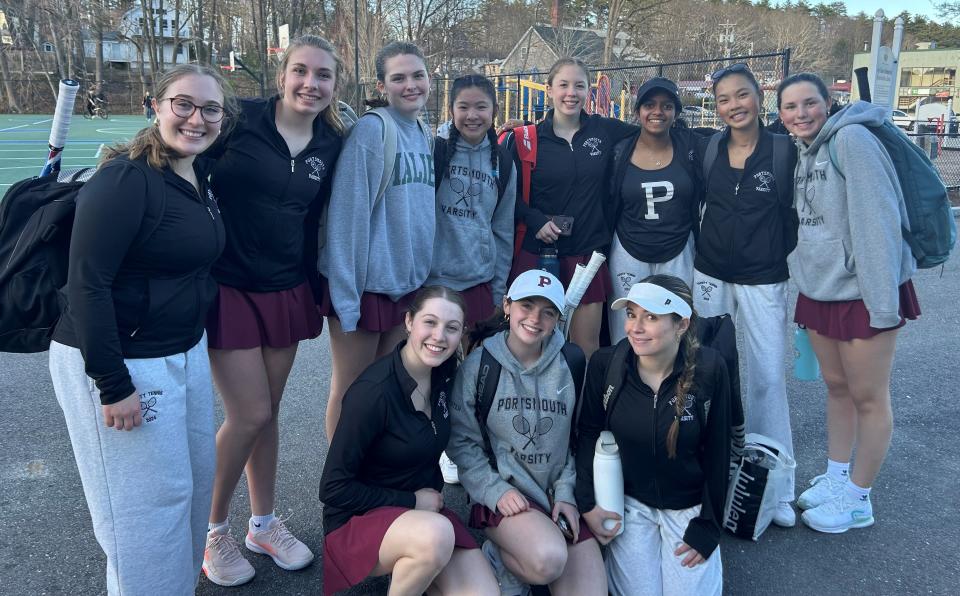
pixel 148 489
pixel 760 312
pixel 626 271
pixel 641 560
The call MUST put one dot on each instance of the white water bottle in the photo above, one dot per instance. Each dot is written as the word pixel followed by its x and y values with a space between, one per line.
pixel 608 478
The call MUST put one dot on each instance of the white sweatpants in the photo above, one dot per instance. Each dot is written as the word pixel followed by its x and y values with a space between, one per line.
pixel 626 271
pixel 148 489
pixel 641 560
pixel 760 313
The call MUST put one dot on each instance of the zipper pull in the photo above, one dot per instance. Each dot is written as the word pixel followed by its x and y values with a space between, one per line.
pixel 135 332
pixel 432 424
pixel 292 162
pixel 211 213
pixel 655 400
pixel 736 189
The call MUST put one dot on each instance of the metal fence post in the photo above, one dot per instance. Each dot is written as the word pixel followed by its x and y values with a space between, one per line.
pixel 786 62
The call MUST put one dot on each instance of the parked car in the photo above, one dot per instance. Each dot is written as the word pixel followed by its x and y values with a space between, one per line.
pixel 902 119
pixel 698 116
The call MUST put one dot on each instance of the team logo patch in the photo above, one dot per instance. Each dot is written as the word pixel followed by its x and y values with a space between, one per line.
pixel 765 179
pixel 594 144
pixel 318 167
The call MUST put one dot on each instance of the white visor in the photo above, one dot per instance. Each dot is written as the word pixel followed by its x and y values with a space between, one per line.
pixel 653 298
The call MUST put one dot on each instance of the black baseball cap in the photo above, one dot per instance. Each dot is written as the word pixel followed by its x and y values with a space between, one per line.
pixel 658 84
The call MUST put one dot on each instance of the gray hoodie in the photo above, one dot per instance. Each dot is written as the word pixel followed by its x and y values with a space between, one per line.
pixel 385 248
pixel 528 426
pixel 849 244
pixel 474 241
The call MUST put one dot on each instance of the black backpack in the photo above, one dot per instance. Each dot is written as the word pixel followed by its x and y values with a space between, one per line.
pixel 440 165
pixel 36 221
pixel 488 376
pixel 718 333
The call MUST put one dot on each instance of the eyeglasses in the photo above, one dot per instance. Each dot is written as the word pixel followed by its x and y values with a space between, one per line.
pixel 737 67
pixel 184 108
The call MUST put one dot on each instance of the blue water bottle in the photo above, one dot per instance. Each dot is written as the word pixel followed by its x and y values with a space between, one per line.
pixel 549 261
pixel 805 366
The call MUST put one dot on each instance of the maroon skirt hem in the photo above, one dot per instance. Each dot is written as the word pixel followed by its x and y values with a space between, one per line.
pixel 846 320
pixel 481 518
pixel 352 551
pixel 479 302
pixel 598 290
pixel 378 313
pixel 241 320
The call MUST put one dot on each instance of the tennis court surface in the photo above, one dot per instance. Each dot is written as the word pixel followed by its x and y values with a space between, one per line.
pixel 23 142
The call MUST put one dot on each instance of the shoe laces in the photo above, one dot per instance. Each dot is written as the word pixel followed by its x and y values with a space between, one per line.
pixel 226 548
pixel 280 535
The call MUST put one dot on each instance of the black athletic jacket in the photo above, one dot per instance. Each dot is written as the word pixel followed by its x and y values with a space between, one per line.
pixel 679 217
pixel 640 420
pixel 571 179
pixel 139 282
pixel 385 450
pixel 271 201
pixel 746 229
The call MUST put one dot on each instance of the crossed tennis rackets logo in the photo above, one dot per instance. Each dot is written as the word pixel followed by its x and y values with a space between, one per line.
pixel 532 432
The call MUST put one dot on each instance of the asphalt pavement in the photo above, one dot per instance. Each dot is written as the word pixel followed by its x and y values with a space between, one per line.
pixel 48 547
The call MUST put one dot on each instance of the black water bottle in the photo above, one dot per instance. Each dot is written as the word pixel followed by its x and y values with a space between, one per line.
pixel 549 261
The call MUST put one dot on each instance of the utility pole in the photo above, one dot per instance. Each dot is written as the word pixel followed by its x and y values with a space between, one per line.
pixel 727 37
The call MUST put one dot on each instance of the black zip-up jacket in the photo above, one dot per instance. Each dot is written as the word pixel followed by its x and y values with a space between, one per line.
pixel 746 231
pixel 384 449
pixel 571 179
pixel 271 201
pixel 139 282
pixel 640 421
pixel 673 231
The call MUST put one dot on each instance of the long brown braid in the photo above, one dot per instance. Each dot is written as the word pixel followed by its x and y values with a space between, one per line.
pixel 689 344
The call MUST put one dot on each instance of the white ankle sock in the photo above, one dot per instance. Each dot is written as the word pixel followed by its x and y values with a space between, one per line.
pixel 259 523
pixel 838 470
pixel 216 525
pixel 856 493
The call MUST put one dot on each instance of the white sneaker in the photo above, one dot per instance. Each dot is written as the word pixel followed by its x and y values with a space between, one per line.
pixel 839 514
pixel 449 469
pixel 785 516
pixel 822 489
pixel 510 584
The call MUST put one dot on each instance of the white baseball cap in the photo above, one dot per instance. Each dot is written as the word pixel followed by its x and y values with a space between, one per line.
pixel 537 282
pixel 655 299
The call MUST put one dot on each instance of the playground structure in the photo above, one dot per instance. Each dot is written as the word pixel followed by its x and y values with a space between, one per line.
pixel 612 90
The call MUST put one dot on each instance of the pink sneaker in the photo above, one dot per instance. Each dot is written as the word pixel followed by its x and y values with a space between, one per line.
pixel 222 562
pixel 279 544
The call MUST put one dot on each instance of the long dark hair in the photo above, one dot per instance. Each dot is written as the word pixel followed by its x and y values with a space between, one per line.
pixel 484 84
pixel 689 344
pixel 487 328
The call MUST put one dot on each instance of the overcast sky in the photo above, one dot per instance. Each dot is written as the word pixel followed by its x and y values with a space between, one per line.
pixel 891 7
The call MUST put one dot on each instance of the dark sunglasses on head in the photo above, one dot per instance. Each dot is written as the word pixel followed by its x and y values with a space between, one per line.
pixel 737 67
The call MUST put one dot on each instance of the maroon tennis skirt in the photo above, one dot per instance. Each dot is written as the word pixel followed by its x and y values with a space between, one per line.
pixel 378 313
pixel 481 518
pixel 479 301
pixel 352 551
pixel 598 290
pixel 240 320
pixel 849 319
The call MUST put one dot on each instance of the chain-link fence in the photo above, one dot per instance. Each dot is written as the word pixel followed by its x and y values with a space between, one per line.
pixel 944 151
pixel 523 95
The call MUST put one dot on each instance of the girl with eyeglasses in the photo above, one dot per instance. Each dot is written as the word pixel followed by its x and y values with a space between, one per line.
pixel 273 176
pixel 747 228
pixel 129 354
pixel 656 193
pixel 853 269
